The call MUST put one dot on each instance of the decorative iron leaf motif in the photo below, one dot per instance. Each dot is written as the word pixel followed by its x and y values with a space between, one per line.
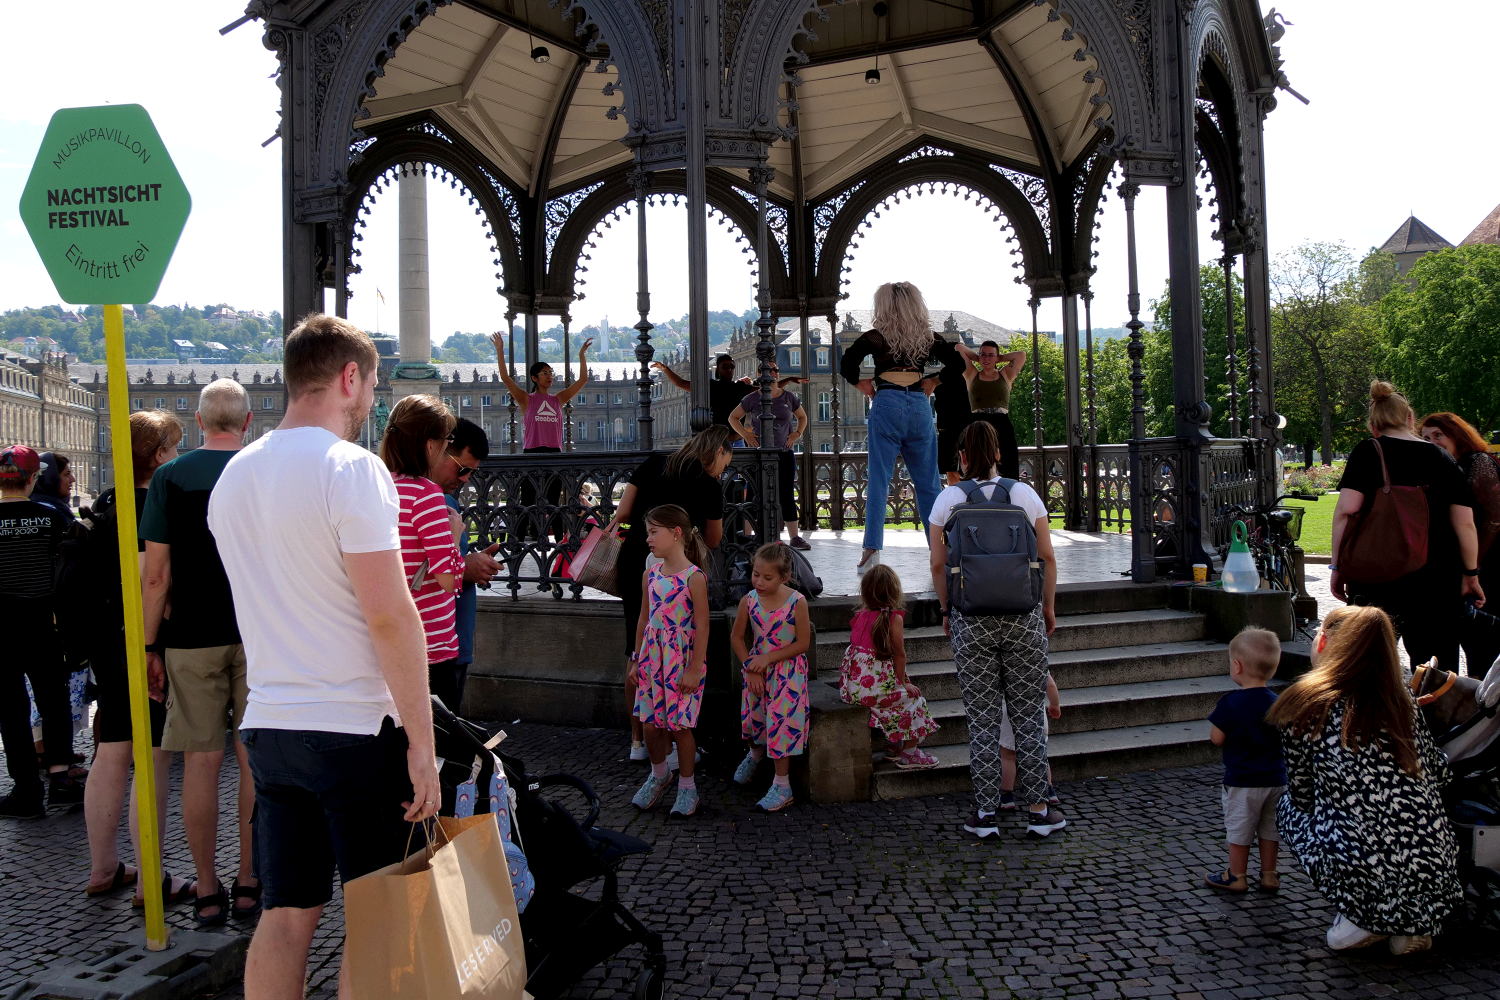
pixel 1136 15
pixel 432 130
pixel 560 209
pixel 924 151
pixel 326 46
pixel 778 221
pixel 659 17
pixel 731 23
pixel 1034 189
pixel 824 215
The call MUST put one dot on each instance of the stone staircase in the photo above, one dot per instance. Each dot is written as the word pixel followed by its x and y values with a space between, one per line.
pixel 1137 681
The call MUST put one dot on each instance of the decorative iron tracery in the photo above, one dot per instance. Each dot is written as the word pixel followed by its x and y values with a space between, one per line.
pixel 511 203
pixel 925 151
pixel 559 209
pixel 778 219
pixel 1034 189
pixel 823 216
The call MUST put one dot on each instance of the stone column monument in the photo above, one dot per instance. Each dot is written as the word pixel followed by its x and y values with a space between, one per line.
pixel 415 326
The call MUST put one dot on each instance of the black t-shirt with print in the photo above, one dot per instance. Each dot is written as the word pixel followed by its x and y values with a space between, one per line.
pixel 29 534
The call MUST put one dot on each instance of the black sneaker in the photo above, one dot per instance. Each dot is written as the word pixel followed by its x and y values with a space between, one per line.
pixel 981 826
pixel 1041 824
pixel 64 790
pixel 14 806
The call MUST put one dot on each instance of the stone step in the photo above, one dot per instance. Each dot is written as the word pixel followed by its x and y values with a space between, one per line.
pixel 928 644
pixel 1083 668
pixel 1073 756
pixel 831 612
pixel 1109 706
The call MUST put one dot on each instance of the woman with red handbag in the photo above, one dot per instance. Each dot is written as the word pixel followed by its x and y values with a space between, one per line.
pixel 1403 532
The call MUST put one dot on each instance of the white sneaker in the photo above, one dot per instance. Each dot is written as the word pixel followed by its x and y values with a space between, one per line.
pixel 868 561
pixel 1345 935
pixel 1401 944
pixel 638 751
pixel 672 758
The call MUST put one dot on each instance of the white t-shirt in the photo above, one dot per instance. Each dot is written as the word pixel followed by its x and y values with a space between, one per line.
pixel 1021 495
pixel 283 513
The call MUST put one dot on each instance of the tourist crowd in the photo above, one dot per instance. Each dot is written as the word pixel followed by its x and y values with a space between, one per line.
pixel 303 599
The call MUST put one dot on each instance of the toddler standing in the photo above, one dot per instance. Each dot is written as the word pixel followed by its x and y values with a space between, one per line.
pixel 773 702
pixel 1008 750
pixel 671 648
pixel 874 671
pixel 1254 771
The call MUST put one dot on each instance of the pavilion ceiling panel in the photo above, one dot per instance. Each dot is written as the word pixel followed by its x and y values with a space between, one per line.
pixel 590 140
pixel 1053 78
pixel 855 26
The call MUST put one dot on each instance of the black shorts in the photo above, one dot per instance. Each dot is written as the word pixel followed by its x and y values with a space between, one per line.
pixel 325 800
pixel 112 690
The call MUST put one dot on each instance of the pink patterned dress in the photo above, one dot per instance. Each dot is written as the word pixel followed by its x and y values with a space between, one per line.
pixel 777 719
pixel 866 680
pixel 666 649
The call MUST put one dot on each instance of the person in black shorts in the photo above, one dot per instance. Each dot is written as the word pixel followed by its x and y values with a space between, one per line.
pixel 950 400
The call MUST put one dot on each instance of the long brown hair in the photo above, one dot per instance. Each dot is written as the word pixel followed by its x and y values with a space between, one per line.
pixel 880 590
pixel 673 517
pixel 414 421
pixel 1458 430
pixel 1360 667
pixel 702 447
pixel 981 447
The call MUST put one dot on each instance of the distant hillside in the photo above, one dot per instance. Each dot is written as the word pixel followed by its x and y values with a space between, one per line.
pixel 150 331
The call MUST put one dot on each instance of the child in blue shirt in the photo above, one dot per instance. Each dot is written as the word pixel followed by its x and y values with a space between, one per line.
pixel 1254 770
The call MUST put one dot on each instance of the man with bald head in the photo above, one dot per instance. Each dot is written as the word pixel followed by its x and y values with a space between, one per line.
pixel 197 650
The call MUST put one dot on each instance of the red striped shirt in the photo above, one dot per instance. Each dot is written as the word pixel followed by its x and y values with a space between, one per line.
pixel 425 535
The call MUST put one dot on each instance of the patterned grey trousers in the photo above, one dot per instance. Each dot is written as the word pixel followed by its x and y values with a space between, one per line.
pixel 1002 661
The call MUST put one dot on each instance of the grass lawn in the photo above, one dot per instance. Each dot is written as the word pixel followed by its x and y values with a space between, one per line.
pixel 1317 523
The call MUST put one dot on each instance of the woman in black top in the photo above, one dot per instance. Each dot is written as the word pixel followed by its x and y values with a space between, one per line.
pixel 900 421
pixel 1453 434
pixel 1425 602
pixel 689 478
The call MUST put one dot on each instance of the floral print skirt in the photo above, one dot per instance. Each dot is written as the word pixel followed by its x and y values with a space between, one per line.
pixel 865 680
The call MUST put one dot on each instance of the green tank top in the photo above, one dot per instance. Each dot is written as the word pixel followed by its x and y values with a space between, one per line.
pixel 989 395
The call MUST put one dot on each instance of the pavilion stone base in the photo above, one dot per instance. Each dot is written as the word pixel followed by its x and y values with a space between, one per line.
pixel 1227 614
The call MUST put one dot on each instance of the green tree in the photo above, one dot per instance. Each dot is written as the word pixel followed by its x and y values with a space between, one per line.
pixel 1324 342
pixel 1161 399
pixel 1443 336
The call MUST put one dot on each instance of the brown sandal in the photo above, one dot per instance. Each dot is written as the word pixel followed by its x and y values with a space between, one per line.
pixel 121 880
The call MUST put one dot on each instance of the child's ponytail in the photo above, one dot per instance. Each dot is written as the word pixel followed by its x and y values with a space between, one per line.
pixel 880 590
pixel 696 548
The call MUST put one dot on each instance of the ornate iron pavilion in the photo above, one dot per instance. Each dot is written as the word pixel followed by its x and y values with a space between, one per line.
pixel 797 119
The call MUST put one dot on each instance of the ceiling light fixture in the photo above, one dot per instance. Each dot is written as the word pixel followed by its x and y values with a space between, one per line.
pixel 873 75
pixel 539 53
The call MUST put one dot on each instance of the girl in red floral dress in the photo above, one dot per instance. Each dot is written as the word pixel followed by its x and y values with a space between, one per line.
pixel 874 672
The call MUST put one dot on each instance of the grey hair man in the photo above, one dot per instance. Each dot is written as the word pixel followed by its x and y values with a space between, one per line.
pixel 338 723
pixel 198 650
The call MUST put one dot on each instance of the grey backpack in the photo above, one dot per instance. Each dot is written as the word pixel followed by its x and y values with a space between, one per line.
pixel 993 567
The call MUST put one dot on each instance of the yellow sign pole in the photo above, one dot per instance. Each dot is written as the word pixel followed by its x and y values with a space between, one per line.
pixel 135 641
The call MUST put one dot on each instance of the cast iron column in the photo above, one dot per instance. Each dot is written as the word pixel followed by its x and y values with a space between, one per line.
pixel 641 180
pixel 1233 356
pixel 510 329
pixel 1092 487
pixel 1073 506
pixel 765 352
pixel 1039 471
pixel 567 381
pixel 1142 534
pixel 696 91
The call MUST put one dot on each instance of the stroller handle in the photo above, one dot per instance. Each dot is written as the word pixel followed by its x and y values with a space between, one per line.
pixel 573 781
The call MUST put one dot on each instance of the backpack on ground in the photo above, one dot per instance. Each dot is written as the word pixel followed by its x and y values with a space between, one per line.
pixel 804 580
pixel 993 567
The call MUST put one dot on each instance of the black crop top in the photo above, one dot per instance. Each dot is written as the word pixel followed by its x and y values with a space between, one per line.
pixel 872 345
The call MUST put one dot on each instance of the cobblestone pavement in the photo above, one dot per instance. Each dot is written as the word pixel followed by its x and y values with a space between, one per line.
pixel 886 899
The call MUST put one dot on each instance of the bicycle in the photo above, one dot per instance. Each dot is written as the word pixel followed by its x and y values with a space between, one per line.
pixel 1273 532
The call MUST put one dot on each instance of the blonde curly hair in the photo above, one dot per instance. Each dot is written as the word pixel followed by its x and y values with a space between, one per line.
pixel 901 317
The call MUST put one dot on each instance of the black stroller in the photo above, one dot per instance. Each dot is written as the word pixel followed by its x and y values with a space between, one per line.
pixel 566 933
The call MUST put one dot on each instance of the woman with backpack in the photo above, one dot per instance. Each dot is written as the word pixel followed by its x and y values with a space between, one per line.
pixel 1397 469
pixel 1001 654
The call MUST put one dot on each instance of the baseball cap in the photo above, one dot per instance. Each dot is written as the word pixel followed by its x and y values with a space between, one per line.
pixel 20 457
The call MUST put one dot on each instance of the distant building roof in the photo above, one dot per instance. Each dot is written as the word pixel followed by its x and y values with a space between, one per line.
pixel 1487 231
pixel 183 344
pixel 818 333
pixel 214 345
pixel 1413 236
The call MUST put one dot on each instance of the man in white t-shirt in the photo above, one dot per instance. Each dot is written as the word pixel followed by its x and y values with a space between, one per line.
pixel 1001 658
pixel 338 723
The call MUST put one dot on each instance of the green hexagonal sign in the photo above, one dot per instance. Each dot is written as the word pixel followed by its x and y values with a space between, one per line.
pixel 104 205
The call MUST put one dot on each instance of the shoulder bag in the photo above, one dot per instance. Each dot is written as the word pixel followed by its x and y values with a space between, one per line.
pixel 1390 539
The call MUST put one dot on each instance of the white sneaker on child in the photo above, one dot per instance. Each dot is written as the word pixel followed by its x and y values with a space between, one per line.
pixel 638 751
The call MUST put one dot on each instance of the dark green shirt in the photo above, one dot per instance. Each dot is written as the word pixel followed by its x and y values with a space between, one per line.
pixel 176 514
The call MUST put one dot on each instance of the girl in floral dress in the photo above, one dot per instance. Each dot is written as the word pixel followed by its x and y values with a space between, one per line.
pixel 874 672
pixel 671 648
pixel 773 702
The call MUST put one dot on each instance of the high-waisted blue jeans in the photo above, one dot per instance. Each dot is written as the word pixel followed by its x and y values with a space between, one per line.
pixel 900 422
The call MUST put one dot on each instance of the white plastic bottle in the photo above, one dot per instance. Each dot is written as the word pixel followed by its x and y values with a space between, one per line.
pixel 1240 573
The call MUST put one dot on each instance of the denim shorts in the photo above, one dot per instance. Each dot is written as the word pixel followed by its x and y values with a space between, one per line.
pixel 325 801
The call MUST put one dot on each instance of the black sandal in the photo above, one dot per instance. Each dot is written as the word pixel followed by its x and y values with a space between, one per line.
pixel 188 891
pixel 250 892
pixel 219 899
pixel 120 881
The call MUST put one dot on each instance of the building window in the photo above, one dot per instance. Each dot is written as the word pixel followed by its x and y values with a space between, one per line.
pixel 181 403
pixel 583 430
pixel 135 404
pixel 601 430
pixel 825 406
pixel 506 400
pixel 265 403
pixel 794 358
pixel 599 399
pixel 161 404
pixel 466 401
pixel 484 401
pixel 822 357
pixel 619 399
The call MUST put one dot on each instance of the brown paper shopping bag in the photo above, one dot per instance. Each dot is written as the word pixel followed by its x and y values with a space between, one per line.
pixel 441 925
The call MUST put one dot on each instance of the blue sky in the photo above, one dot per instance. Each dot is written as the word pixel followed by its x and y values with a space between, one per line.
pixel 1385 134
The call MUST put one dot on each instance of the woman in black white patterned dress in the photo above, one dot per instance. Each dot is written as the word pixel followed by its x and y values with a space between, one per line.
pixel 1363 808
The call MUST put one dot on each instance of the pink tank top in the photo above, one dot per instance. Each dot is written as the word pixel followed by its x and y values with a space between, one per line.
pixel 543 423
pixel 862 628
